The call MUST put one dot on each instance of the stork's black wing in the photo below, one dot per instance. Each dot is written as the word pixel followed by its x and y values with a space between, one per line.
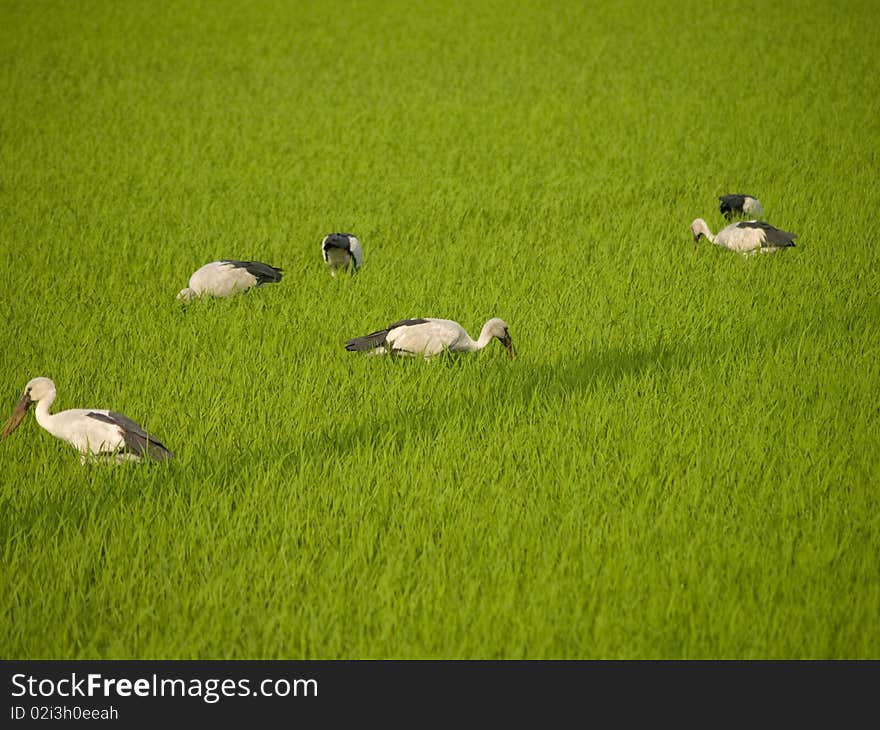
pixel 263 273
pixel 773 237
pixel 731 205
pixel 137 440
pixel 337 240
pixel 377 338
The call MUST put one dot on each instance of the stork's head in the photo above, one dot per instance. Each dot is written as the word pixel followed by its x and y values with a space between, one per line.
pixel 36 390
pixel 186 294
pixel 498 328
pixel 698 230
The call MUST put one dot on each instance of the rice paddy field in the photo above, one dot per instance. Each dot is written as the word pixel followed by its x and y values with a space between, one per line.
pixel 681 463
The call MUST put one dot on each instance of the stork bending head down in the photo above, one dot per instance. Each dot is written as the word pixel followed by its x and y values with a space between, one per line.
pixel 227 277
pixel 744 236
pixel 429 337
pixel 342 252
pixel 738 205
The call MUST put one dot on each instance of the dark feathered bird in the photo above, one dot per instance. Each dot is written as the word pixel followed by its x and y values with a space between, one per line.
pixel 342 251
pixel 739 205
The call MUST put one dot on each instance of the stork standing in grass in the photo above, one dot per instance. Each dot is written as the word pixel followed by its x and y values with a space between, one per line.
pixel 740 206
pixel 342 252
pixel 745 236
pixel 227 277
pixel 95 433
pixel 429 337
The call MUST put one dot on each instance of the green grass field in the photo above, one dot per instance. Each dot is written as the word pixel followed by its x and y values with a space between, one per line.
pixel 683 461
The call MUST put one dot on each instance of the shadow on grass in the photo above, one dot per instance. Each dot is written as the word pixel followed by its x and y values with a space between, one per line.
pixel 598 369
pixel 388 434
pixel 524 381
pixel 383 433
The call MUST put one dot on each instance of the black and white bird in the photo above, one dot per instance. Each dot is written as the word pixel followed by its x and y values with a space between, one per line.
pixel 429 337
pixel 744 236
pixel 227 277
pixel 95 433
pixel 738 205
pixel 342 252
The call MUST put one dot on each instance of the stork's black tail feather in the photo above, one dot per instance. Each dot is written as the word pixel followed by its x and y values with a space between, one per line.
pixel 263 273
pixel 137 441
pixel 377 339
pixel 147 446
pixel 367 342
pixel 775 237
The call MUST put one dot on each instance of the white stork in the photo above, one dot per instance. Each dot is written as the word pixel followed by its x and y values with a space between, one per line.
pixel 740 205
pixel 744 236
pixel 227 277
pixel 342 251
pixel 93 432
pixel 429 337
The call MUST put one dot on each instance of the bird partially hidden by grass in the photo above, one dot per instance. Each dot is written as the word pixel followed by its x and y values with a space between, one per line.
pixel 227 277
pixel 740 205
pixel 744 236
pixel 342 252
pixel 429 337
pixel 97 434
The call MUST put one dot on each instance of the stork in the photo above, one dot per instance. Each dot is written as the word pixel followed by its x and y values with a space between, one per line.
pixel 342 252
pixel 94 432
pixel 740 205
pixel 227 277
pixel 429 337
pixel 744 236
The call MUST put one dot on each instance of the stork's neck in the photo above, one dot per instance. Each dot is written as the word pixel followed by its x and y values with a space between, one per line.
pixel 485 339
pixel 44 418
pixel 704 229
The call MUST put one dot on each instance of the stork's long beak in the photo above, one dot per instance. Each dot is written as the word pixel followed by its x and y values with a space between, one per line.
pixel 18 414
pixel 508 345
pixel 696 241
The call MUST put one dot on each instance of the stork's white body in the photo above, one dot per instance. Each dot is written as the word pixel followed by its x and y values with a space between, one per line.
pixel 428 337
pixel 85 433
pixel 227 277
pixel 342 251
pixel 434 336
pixel 93 432
pixel 745 236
